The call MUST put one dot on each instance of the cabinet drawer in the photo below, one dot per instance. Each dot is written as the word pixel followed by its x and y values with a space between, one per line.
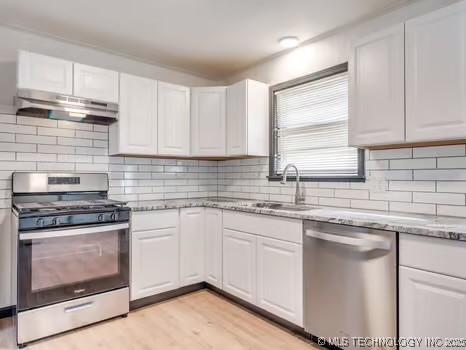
pixel 443 256
pixel 154 220
pixel 268 226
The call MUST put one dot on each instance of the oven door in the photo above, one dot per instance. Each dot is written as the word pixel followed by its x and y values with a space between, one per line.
pixel 63 264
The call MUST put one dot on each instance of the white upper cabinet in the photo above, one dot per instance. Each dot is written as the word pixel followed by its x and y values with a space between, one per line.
pixel 44 73
pixel 431 305
pixel 247 119
pixel 376 91
pixel 208 113
pixel 192 246
pixel 436 75
pixel 136 129
pixel 213 246
pixel 95 83
pixel 173 120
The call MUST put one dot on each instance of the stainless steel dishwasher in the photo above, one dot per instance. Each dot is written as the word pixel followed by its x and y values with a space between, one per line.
pixel 350 282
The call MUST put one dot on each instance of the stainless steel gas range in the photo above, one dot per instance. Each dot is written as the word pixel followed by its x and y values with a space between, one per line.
pixel 71 253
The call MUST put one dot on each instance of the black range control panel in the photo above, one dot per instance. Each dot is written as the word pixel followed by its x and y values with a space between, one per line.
pixel 64 220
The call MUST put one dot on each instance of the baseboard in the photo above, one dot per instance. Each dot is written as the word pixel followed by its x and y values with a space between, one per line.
pixel 261 312
pixel 153 299
pixel 7 311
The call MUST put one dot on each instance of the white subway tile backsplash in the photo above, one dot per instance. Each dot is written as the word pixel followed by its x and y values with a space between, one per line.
pixel 356 194
pixel 420 163
pixel 451 186
pixel 7 155
pixel 36 121
pixel 439 151
pixel 451 210
pixel 440 174
pixel 18 129
pixel 55 149
pixel 55 132
pixel 74 158
pixel 55 166
pixel 425 180
pixel 5 137
pixel 17 147
pixel 46 140
pixel 392 153
pixel 418 208
pixel 439 198
pixel 7 118
pixel 65 124
pixel 367 204
pixel 92 135
pixel 421 186
pixel 391 196
pixel 68 141
pixel 451 162
pixel 36 157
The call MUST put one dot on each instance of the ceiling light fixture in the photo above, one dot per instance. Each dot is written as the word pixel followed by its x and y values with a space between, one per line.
pixel 288 42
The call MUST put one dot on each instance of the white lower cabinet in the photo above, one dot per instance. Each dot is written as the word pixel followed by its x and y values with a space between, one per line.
pixel 280 278
pixel 256 258
pixel 213 246
pixel 154 261
pixel 192 243
pixel 432 288
pixel 239 264
pixel 431 305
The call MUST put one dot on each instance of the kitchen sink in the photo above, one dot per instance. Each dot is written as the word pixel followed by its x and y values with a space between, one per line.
pixel 283 206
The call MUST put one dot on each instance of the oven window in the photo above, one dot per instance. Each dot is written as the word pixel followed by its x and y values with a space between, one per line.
pixel 61 261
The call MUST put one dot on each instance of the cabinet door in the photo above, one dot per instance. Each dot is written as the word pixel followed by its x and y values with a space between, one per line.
pixel 213 246
pixel 173 122
pixel 154 262
pixel 44 73
pixel 376 94
pixel 192 245
pixel 280 279
pixel 136 129
pixel 237 119
pixel 431 305
pixel 208 121
pixel 239 264
pixel 95 83
pixel 436 75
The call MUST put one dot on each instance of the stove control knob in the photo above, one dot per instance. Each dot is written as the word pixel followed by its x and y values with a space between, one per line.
pixel 40 222
pixel 55 221
pixel 100 217
pixel 113 216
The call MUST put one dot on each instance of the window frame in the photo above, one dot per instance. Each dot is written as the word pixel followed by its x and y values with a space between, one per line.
pixel 273 176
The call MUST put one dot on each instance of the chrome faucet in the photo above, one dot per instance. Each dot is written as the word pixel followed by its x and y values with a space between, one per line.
pixel 298 197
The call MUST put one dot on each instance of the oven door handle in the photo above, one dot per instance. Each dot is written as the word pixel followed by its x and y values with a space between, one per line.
pixel 71 232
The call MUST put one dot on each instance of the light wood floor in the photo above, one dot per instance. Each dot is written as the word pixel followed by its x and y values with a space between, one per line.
pixel 201 320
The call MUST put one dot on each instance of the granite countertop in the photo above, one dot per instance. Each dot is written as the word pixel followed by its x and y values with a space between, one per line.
pixel 433 226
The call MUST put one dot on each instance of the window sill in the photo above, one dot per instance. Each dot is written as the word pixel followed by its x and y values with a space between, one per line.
pixel 275 178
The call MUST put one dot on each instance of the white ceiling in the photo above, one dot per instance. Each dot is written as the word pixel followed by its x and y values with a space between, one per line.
pixel 211 38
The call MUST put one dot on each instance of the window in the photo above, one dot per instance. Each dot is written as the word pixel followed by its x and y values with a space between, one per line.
pixel 309 128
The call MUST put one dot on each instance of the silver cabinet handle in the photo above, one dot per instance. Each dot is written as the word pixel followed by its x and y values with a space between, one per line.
pixel 371 243
pixel 72 231
pixel 79 307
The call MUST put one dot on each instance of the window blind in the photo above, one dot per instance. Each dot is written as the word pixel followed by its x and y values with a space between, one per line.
pixel 311 128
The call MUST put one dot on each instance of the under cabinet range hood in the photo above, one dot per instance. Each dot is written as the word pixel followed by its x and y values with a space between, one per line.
pixel 42 104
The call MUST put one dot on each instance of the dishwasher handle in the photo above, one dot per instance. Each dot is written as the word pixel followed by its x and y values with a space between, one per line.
pixel 369 243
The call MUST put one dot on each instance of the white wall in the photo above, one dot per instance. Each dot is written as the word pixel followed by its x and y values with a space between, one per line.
pixel 12 40
pixel 329 50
